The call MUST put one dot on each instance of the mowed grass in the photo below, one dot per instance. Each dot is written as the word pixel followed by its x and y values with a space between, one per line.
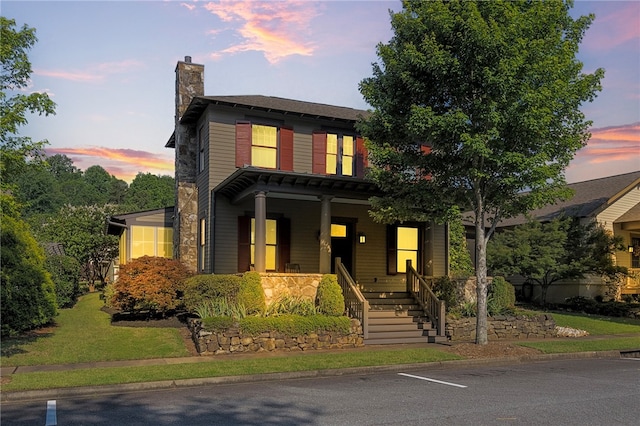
pixel 84 334
pixel 224 367
pixel 597 325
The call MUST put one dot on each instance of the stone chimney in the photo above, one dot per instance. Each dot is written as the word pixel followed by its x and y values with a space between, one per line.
pixel 189 84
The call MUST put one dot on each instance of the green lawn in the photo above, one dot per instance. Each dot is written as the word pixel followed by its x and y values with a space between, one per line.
pixel 597 325
pixel 84 334
pixel 224 366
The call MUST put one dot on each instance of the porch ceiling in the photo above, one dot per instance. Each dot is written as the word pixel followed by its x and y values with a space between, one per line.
pixel 246 181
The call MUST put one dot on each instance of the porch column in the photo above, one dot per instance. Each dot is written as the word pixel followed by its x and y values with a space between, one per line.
pixel 325 234
pixel 261 232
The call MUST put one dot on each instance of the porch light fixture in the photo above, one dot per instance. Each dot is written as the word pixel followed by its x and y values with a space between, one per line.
pixel 362 238
pixel 630 248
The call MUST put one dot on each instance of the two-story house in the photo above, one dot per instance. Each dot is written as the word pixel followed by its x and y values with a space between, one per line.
pixel 278 186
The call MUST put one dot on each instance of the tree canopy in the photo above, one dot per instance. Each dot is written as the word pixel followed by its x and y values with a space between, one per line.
pixel 16 71
pixel 546 253
pixel 475 103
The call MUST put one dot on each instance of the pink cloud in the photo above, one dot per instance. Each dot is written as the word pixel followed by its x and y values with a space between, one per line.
pixel 610 145
pixel 94 73
pixel 122 163
pixel 276 29
pixel 614 28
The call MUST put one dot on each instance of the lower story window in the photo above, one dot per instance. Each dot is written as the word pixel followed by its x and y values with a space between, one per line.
pixel 635 256
pixel 407 243
pixel 151 241
pixel 272 244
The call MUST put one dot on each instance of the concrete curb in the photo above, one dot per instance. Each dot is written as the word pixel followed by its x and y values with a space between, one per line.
pixel 173 384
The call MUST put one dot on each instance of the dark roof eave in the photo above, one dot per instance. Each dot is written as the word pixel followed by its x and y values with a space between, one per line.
pixel 278 181
pixel 200 103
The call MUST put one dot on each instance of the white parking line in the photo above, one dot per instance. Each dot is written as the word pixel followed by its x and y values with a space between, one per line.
pixel 52 419
pixel 432 380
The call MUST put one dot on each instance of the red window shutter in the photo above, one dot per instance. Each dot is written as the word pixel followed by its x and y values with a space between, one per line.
pixel 361 157
pixel 392 250
pixel 244 243
pixel 426 150
pixel 243 143
pixel 319 140
pixel 284 243
pixel 286 149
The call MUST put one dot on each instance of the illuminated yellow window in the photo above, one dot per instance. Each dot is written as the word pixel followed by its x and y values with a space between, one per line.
pixel 264 146
pixel 165 242
pixel 338 231
pixel 123 247
pixel 272 243
pixel 332 154
pixel 347 155
pixel 151 241
pixel 143 241
pixel 407 247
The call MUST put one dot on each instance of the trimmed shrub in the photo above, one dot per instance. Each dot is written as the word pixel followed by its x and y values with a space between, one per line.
pixel 149 283
pixel 329 297
pixel 199 289
pixel 26 289
pixel 501 297
pixel 251 294
pixel 65 273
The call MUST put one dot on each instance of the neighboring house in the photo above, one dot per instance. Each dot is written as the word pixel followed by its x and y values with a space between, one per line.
pixel 613 202
pixel 147 233
pixel 278 186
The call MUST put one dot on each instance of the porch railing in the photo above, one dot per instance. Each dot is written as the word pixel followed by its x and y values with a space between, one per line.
pixel 354 302
pixel 431 305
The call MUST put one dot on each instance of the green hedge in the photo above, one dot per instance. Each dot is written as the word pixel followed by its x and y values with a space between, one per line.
pixel 329 297
pixel 200 289
pixel 65 273
pixel 251 294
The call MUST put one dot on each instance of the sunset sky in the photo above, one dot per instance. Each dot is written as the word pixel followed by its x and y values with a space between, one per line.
pixel 109 66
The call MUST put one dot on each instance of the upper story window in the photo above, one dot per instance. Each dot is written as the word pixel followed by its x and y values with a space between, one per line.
pixel 338 154
pixel 201 151
pixel 266 146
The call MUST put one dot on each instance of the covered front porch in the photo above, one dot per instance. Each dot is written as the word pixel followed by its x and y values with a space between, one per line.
pixel 275 222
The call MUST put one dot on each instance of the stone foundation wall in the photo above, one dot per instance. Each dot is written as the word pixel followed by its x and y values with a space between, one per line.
pixel 299 285
pixel 503 328
pixel 233 341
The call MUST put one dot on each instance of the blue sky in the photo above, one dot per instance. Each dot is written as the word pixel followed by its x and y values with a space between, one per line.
pixel 109 66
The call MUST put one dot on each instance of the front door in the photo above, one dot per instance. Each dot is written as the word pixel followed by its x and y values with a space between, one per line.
pixel 342 242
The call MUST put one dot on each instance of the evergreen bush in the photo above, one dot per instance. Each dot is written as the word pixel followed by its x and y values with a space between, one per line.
pixel 445 289
pixel 199 289
pixel 329 297
pixel 501 297
pixel 26 289
pixel 251 294
pixel 65 273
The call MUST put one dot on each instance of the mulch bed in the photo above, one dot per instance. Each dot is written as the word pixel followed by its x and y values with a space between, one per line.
pixel 147 319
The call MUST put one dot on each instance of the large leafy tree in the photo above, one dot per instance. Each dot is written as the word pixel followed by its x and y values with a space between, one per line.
pixel 82 231
pixel 17 151
pixel 474 103
pixel 149 192
pixel 546 253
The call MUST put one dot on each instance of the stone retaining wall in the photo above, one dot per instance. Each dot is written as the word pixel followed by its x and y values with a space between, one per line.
pixel 232 341
pixel 503 327
pixel 277 284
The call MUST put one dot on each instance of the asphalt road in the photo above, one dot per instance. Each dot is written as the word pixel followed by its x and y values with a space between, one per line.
pixel 561 392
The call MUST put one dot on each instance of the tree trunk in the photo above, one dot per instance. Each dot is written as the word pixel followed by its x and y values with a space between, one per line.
pixel 481 281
